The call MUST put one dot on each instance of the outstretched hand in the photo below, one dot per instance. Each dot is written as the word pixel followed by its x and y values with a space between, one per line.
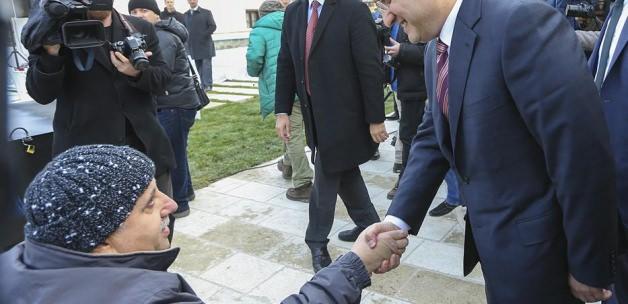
pixel 390 245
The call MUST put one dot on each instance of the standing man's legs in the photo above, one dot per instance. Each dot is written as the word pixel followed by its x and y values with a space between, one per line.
pixel 398 143
pixel 411 117
pixel 204 68
pixel 302 174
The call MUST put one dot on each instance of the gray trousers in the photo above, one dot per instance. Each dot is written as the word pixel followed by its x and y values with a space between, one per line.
pixel 327 186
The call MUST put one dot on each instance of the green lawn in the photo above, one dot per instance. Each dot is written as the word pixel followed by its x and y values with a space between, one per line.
pixel 228 139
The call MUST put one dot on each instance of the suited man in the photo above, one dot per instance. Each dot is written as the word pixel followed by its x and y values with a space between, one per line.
pixel 171 12
pixel 201 25
pixel 329 57
pixel 609 63
pixel 529 147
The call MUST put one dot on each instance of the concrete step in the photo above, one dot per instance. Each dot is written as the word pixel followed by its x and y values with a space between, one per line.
pixel 235 90
pixel 227 97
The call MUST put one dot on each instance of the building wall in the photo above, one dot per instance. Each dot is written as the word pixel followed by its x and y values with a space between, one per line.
pixel 230 15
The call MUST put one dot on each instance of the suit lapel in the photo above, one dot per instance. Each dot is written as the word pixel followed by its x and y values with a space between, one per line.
pixel 302 26
pixel 621 44
pixel 461 52
pixel 326 13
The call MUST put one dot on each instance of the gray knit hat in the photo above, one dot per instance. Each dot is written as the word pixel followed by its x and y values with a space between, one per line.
pixel 270 6
pixel 84 194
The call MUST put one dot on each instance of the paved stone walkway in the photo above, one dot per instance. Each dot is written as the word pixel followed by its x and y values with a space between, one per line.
pixel 243 243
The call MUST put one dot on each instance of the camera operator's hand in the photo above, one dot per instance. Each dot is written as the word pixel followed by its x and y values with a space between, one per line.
pixel 393 50
pixel 123 64
pixel 378 132
pixel 53 49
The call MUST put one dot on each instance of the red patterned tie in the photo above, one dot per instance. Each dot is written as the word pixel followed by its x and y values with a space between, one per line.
pixel 309 35
pixel 442 85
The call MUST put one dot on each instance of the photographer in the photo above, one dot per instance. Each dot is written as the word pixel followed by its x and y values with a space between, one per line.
pixel 111 102
pixel 177 107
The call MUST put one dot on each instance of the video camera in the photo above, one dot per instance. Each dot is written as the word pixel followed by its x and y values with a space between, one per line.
pixel 76 31
pixel 133 48
pixel 591 13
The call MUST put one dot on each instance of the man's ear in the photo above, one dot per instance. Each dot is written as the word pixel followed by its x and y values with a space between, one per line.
pixel 105 248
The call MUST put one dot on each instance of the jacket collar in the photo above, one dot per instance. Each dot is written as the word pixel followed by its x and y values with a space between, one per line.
pixel 43 256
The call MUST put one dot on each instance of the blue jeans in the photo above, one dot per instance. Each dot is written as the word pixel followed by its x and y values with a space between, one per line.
pixel 177 123
pixel 204 68
pixel 453 195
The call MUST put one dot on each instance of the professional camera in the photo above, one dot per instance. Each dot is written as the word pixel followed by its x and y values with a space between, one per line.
pixel 133 48
pixel 76 31
pixel 583 10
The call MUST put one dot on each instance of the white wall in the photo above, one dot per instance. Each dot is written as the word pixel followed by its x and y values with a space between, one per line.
pixel 229 14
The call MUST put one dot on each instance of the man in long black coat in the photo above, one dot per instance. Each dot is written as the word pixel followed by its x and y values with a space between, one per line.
pixel 201 25
pixel 109 104
pixel 342 102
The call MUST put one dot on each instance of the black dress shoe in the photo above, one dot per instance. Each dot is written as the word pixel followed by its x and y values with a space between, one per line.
pixel 391 194
pixel 442 209
pixel 350 235
pixel 397 168
pixel 320 258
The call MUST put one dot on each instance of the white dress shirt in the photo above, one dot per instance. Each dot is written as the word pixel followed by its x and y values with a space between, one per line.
pixel 446 33
pixel 309 9
pixel 618 31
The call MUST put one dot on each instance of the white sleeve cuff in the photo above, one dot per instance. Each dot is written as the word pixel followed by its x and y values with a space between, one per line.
pixel 397 222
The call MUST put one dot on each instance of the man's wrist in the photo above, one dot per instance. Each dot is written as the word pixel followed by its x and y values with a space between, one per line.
pixel 401 224
pixel 281 114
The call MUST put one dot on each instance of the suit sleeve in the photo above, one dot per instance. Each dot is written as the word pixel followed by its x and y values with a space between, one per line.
pixel 422 177
pixel 558 101
pixel 44 78
pixel 211 24
pixel 367 60
pixel 255 54
pixel 285 88
pixel 155 78
pixel 340 283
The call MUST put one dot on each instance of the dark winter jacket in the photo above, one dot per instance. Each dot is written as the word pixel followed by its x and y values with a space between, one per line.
pixel 180 92
pixel 176 15
pixel 32 272
pixel 102 105
pixel 410 73
pixel 201 26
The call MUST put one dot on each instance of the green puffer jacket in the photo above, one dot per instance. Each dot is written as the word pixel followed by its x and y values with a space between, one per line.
pixel 261 57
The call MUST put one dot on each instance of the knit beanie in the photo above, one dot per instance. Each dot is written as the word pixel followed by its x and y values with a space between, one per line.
pixel 84 194
pixel 147 4
pixel 270 6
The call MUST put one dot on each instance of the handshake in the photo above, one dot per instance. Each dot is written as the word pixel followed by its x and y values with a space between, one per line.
pixel 380 247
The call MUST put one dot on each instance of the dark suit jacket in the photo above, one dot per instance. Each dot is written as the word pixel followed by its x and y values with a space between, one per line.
pixel 201 26
pixel 165 14
pixel 530 148
pixel 615 103
pixel 346 79
pixel 93 107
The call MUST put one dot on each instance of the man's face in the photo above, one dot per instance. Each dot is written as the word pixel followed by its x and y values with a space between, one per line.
pixel 422 20
pixel 193 3
pixel 145 14
pixel 170 5
pixel 146 228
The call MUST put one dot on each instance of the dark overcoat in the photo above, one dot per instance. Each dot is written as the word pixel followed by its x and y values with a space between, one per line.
pixel 201 26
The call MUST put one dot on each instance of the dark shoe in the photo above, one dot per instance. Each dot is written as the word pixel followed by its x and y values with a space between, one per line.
pixel 191 197
pixel 391 194
pixel 442 209
pixel 350 235
pixel 320 258
pixel 301 193
pixel 393 116
pixel 375 155
pixel 182 211
pixel 397 168
pixel 286 171
pixel 393 141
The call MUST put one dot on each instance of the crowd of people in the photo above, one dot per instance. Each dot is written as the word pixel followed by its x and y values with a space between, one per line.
pixel 495 98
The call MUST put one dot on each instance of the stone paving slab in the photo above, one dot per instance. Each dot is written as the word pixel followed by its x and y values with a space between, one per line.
pixel 243 243
pixel 235 90
pixel 237 84
pixel 227 97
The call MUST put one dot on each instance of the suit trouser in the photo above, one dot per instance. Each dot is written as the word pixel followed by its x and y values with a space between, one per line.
pixel 295 150
pixel 352 190
pixel 204 68
pixel 398 142
pixel 411 117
